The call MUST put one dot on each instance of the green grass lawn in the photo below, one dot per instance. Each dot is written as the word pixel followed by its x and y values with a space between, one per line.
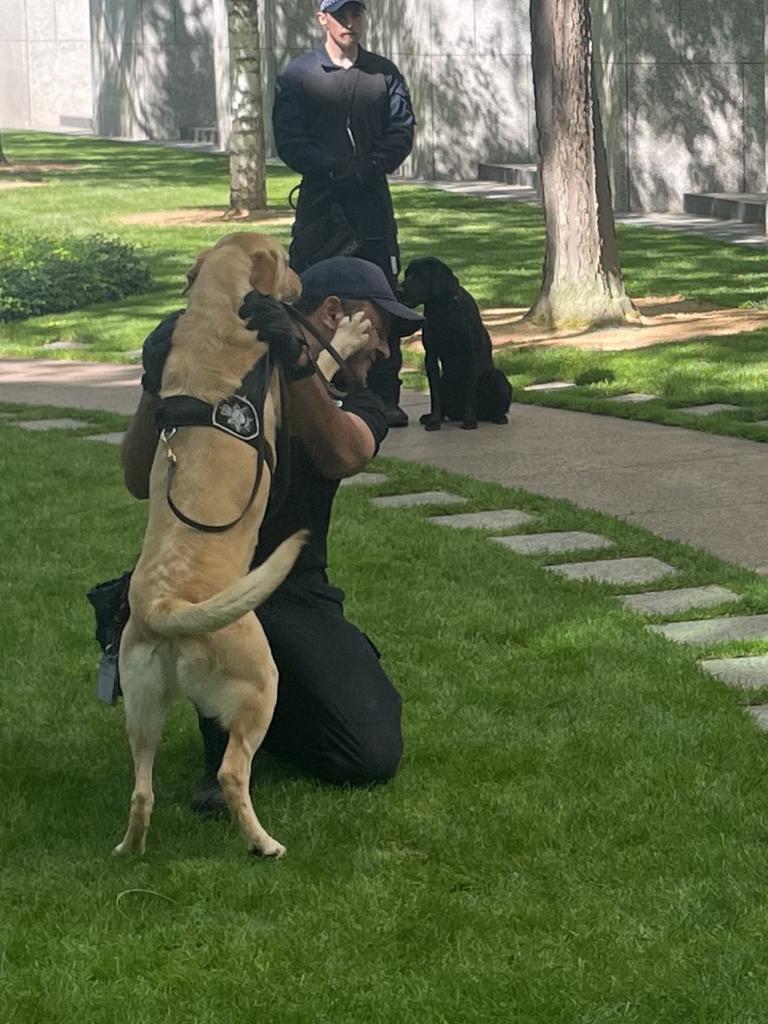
pixel 496 249
pixel 578 832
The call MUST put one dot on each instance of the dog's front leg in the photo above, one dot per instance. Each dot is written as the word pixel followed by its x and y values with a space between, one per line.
pixel 434 418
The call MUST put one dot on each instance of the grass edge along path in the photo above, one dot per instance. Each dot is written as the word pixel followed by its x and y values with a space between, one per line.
pixel 578 831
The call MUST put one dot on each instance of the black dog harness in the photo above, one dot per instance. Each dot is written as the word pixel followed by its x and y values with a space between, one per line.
pixel 240 416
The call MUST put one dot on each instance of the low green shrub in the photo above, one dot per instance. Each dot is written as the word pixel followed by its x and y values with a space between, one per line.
pixel 48 274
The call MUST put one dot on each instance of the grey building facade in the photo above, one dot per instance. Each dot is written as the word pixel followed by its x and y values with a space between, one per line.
pixel 682 82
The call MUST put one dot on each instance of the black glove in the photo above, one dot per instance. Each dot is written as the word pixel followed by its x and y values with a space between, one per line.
pixel 354 174
pixel 269 317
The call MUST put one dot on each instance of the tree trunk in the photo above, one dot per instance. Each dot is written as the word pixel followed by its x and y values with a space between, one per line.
pixel 3 158
pixel 582 284
pixel 247 168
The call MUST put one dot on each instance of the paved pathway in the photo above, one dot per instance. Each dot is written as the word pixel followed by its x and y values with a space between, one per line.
pixel 706 490
pixel 684 223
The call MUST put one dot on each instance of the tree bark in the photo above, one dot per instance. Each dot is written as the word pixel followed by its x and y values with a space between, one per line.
pixel 582 284
pixel 247 166
pixel 3 158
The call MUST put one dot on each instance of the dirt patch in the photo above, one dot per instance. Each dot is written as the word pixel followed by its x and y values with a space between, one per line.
pixel 663 319
pixel 37 167
pixel 200 217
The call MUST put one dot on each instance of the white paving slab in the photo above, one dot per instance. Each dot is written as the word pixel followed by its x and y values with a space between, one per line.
pixel 615 570
pixel 420 498
pixel 708 410
pixel 634 398
pixel 751 673
pixel 760 714
pixel 667 602
pixel 498 519
pixel 106 438
pixel 551 385
pixel 63 424
pixel 364 479
pixel 713 631
pixel 554 543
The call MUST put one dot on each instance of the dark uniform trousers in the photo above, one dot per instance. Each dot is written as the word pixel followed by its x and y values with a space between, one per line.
pixel 338 715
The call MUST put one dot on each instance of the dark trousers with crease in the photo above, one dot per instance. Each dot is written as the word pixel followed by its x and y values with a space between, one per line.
pixel 338 715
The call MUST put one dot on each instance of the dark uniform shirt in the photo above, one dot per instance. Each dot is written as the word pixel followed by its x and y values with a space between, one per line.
pixel 308 497
pixel 325 116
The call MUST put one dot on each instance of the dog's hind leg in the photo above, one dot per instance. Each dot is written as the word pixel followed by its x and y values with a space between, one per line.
pixel 147 699
pixel 247 730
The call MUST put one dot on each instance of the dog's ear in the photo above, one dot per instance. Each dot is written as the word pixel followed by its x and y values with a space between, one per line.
pixel 194 270
pixel 264 272
pixel 444 281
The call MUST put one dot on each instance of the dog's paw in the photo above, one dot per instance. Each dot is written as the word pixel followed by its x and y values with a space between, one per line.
pixel 502 421
pixel 268 849
pixel 432 425
pixel 469 425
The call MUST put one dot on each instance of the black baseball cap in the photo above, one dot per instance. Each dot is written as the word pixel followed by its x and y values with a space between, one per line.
pixel 353 278
pixel 330 6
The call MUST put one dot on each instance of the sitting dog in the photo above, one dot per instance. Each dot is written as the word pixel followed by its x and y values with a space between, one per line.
pixel 463 383
pixel 191 627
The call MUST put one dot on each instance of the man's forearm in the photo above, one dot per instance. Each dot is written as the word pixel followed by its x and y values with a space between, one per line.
pixel 339 443
pixel 137 450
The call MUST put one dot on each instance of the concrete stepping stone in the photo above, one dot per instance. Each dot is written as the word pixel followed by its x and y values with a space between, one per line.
pixel 106 438
pixel 709 410
pixel 364 479
pixel 551 385
pixel 634 398
pixel 714 631
pixel 63 424
pixel 760 714
pixel 615 570
pixel 554 543
pixel 420 498
pixel 751 673
pixel 667 602
pixel 499 519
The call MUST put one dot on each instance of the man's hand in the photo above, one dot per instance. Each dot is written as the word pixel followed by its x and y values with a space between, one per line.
pixel 269 318
pixel 354 174
pixel 352 335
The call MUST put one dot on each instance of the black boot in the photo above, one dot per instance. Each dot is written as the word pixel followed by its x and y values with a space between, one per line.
pixel 208 799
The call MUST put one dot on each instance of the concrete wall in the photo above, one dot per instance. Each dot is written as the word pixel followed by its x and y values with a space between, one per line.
pixel 683 92
pixel 45 64
pixel 682 82
pixel 161 66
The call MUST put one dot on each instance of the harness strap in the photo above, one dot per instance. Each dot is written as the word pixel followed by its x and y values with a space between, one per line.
pixel 238 416
pixel 264 450
pixel 309 326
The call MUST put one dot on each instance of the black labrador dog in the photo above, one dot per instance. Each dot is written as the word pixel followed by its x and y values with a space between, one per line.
pixel 463 383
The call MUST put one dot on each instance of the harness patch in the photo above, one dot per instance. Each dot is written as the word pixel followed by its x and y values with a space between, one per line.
pixel 237 416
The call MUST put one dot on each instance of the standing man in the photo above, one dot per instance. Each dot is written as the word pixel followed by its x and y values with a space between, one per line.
pixel 343 119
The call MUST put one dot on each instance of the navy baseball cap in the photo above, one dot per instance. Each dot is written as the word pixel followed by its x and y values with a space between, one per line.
pixel 329 6
pixel 351 278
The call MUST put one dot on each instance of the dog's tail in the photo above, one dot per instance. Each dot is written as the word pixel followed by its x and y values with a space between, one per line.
pixel 174 617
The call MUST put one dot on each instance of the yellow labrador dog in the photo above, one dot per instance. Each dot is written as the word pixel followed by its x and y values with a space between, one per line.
pixel 191 628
